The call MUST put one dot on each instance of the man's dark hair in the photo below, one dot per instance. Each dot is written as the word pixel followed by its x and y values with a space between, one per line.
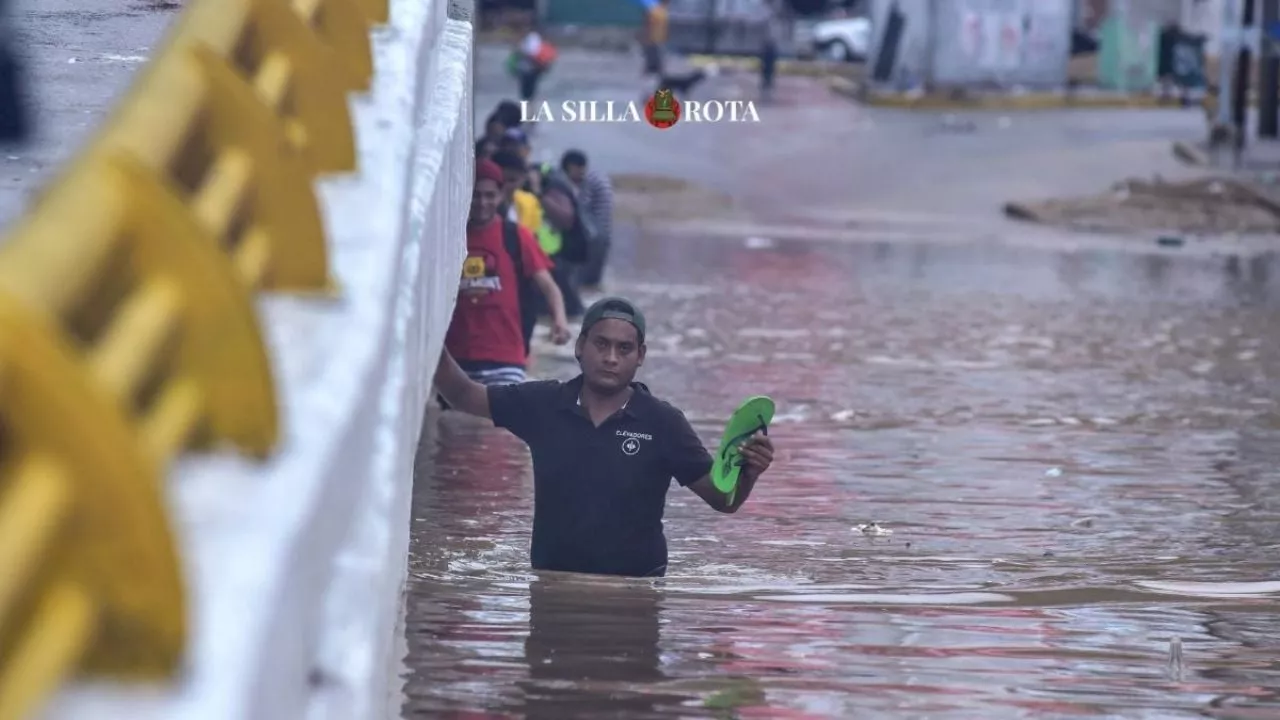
pixel 507 113
pixel 573 158
pixel 508 160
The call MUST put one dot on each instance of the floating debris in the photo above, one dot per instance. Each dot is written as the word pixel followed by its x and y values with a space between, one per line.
pixel 872 528
pixel 1177 666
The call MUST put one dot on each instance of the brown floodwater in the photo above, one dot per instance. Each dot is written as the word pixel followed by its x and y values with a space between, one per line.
pixel 1076 454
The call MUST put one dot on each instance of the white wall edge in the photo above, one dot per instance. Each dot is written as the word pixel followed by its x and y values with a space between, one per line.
pixel 294 566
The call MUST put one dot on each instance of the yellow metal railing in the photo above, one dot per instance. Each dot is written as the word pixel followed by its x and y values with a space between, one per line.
pixel 127 330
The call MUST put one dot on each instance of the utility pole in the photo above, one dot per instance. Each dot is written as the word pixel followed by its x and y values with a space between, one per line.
pixel 1244 68
pixel 1228 42
pixel 1269 78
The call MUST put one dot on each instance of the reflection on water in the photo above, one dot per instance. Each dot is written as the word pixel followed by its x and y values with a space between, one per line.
pixel 1076 454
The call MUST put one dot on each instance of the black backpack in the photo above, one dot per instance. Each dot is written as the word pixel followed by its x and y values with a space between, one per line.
pixel 526 291
pixel 577 239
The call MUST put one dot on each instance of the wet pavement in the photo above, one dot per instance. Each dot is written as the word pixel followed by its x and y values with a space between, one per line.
pixel 80 56
pixel 1075 449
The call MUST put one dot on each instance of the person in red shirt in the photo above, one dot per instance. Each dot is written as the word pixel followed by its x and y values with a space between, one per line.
pixel 487 335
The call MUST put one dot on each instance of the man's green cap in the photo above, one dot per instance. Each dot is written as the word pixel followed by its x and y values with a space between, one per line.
pixel 615 308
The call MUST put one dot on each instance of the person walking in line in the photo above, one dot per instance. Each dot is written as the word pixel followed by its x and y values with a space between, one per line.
pixel 595 193
pixel 504 270
pixel 505 116
pixel 604 451
pixel 518 204
pixel 516 141
pixel 552 218
pixel 570 230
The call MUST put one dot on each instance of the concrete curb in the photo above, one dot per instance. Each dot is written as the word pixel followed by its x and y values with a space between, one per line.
pixel 802 68
pixel 1033 101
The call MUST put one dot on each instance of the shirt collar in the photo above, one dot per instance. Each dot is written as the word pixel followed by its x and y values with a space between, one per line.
pixel 571 397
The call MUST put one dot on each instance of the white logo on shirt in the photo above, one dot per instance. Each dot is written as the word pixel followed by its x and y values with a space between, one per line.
pixel 630 446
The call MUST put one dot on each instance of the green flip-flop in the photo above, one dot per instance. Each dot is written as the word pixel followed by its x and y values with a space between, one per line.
pixel 752 416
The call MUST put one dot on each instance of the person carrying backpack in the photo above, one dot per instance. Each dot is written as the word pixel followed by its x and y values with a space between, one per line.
pixel 567 235
pixel 504 276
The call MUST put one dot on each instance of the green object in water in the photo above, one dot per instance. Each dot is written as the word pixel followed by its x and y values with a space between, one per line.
pixel 752 416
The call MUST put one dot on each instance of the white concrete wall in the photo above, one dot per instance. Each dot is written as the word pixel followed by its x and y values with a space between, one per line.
pixel 296 566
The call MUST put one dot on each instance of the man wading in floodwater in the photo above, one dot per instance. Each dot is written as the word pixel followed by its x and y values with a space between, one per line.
pixel 604 451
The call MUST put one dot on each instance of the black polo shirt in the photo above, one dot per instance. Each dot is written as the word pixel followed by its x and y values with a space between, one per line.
pixel 599 492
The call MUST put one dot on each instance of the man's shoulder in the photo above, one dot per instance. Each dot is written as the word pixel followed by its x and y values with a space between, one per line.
pixel 662 410
pixel 599 179
pixel 515 404
pixel 537 388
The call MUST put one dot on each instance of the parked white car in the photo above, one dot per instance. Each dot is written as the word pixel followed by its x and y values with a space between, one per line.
pixel 842 39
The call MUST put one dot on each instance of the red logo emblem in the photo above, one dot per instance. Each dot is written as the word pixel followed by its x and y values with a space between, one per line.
pixel 663 109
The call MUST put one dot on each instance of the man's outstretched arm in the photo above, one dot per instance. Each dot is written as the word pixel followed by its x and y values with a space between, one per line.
pixel 462 392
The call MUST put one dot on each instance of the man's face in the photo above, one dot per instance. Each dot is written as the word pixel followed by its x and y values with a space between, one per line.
pixel 494 130
pixel 512 180
pixel 609 354
pixel 484 201
pixel 576 173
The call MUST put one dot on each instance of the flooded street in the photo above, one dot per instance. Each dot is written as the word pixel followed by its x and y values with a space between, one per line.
pixel 1074 451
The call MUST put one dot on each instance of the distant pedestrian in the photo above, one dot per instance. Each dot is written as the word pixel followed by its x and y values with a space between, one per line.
pixel 531 59
pixel 769 55
pixel 653 41
pixel 595 193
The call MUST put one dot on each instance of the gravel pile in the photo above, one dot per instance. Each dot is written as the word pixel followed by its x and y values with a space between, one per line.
pixel 1204 206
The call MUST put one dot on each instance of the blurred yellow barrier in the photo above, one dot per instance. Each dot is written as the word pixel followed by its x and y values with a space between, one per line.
pixel 127 328
pixel 378 11
pixel 343 24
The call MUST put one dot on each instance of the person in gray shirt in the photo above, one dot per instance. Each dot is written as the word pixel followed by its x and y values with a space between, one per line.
pixel 595 194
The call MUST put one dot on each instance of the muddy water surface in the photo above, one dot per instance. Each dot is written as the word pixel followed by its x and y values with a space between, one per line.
pixel 1076 455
